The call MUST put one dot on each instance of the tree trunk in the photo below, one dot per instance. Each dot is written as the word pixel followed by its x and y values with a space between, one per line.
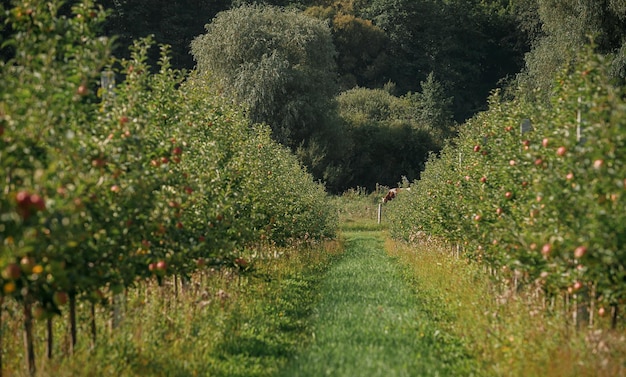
pixel 72 323
pixel 49 338
pixel 29 349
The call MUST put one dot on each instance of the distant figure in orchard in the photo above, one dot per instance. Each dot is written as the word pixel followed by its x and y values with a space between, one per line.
pixel 392 193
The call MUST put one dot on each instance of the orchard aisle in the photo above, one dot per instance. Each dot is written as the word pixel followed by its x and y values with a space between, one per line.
pixel 369 322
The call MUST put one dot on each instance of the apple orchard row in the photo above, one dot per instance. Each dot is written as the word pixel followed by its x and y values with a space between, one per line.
pixel 536 191
pixel 106 185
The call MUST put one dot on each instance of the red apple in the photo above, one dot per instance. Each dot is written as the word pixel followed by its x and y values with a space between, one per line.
pixel 12 272
pixel 82 90
pixel 241 262
pixel 545 142
pixel 177 151
pixel 580 251
pixel 546 250
pixel 161 265
pixel 561 151
pixel 37 202
pixel 508 195
pixel 483 179
pixel 123 120
pixel 499 211
pixel 477 217
pixel 598 164
pixel 60 298
pixel 577 285
pixel 476 148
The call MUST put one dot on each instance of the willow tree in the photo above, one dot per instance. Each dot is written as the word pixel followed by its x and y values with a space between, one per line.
pixel 278 63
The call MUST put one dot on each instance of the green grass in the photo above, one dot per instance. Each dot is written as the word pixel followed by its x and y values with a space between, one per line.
pixel 369 322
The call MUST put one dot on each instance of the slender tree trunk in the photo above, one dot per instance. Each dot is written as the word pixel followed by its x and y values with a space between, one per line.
pixel 93 325
pixel 614 313
pixel 29 349
pixel 1 332
pixel 72 323
pixel 49 338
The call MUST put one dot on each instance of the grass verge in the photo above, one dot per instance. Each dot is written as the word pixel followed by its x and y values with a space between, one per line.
pixel 369 322
pixel 511 334
pixel 221 324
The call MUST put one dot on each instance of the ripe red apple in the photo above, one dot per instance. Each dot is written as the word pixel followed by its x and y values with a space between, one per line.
pixel 115 189
pixel 60 298
pixel 188 190
pixel 37 202
pixel 499 211
pixel 561 151
pixel 241 262
pixel 478 218
pixel 569 176
pixel 165 160
pixel 545 142
pixel 483 179
pixel 598 164
pixel 546 250
pixel 123 120
pixel 512 162
pixel 577 285
pixel 152 267
pixel 538 161
pixel 82 90
pixel 508 195
pixel 12 272
pixel 580 251
pixel 161 265
pixel 177 151
pixel 476 148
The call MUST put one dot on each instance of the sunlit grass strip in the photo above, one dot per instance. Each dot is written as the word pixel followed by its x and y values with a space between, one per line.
pixel 370 323
pixel 512 334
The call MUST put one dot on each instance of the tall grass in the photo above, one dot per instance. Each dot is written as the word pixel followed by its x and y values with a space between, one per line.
pixel 221 323
pixel 511 333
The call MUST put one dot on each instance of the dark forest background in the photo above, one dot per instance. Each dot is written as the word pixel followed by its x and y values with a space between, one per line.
pixel 363 90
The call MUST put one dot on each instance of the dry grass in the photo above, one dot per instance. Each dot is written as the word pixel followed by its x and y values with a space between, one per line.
pixel 512 334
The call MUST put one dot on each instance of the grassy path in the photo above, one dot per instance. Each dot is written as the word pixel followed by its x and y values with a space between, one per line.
pixel 369 322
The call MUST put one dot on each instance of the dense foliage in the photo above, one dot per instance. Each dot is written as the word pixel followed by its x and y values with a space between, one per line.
pixel 537 190
pixel 105 185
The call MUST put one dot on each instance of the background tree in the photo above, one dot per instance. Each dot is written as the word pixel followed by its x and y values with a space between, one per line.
pixel 566 26
pixel 362 59
pixel 387 140
pixel 280 65
pixel 174 23
pixel 469 45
